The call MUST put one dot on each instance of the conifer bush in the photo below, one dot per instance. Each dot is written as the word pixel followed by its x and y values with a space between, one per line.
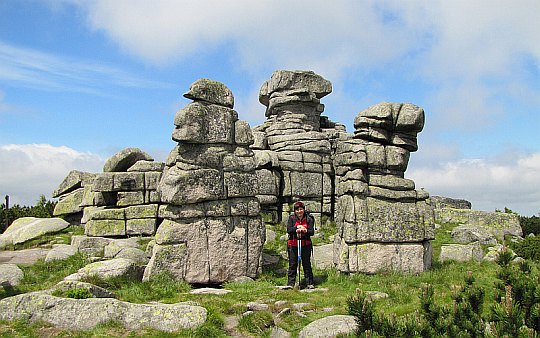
pixel 529 248
pixel 514 312
pixel 530 225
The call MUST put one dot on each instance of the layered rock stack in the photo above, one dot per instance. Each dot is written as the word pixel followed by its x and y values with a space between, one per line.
pixel 212 231
pixel 293 155
pixel 204 205
pixel 383 222
pixel 120 201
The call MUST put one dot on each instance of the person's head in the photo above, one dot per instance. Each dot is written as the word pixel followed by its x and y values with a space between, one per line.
pixel 299 209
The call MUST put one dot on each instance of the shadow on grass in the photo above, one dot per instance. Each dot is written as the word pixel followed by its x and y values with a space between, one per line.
pixel 8 290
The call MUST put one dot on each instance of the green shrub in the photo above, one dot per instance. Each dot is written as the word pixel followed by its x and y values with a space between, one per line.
pixel 530 225
pixel 515 313
pixel 518 298
pixel 529 248
pixel 79 293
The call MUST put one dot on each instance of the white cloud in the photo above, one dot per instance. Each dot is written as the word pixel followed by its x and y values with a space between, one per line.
pixel 460 49
pixel 326 36
pixel 506 181
pixel 477 54
pixel 31 170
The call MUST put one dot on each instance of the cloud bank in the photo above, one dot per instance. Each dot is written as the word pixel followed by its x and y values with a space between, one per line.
pixel 507 181
pixel 31 170
pixel 463 50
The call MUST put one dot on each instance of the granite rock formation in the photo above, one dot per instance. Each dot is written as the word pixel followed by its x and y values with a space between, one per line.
pixel 204 205
pixel 212 231
pixel 383 222
pixel 357 179
pixel 120 201
pixel 293 151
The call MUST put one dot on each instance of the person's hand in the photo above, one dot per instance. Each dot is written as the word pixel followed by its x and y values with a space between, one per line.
pixel 301 229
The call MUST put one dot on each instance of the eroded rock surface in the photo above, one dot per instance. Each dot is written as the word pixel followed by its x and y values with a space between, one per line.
pixel 85 314
pixel 383 222
pixel 212 230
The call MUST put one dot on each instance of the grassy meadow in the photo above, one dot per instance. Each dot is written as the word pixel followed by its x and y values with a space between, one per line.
pixel 404 294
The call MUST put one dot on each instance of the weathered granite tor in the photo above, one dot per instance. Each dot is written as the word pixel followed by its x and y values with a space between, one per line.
pixel 384 223
pixel 204 204
pixel 212 230
pixel 120 201
pixel 356 180
pixel 294 146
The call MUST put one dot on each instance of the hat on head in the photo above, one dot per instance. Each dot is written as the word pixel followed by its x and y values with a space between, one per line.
pixel 299 204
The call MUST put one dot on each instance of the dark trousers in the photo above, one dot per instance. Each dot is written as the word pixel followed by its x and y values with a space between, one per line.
pixel 293 264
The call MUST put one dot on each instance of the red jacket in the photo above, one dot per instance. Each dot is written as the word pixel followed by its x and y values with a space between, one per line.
pixel 292 224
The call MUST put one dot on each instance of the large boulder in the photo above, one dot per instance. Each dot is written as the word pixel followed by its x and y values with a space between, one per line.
pixel 375 257
pixel 70 203
pixel 330 326
pixel 465 234
pixel 210 91
pixel 60 252
pixel 10 275
pixel 117 267
pixel 461 252
pixel 27 228
pixel 323 256
pixel 74 180
pixel 93 246
pixel 86 314
pixel 286 80
pixel 499 224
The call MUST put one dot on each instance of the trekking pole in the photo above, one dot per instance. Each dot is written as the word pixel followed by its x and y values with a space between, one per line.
pixel 299 260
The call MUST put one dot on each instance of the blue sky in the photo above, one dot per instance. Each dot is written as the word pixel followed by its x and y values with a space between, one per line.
pixel 81 80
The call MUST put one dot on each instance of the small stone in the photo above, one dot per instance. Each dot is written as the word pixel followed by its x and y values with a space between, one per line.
pixel 210 291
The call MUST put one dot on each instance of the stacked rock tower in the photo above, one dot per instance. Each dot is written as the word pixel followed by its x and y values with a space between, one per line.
pixel 212 230
pixel 383 222
pixel 293 153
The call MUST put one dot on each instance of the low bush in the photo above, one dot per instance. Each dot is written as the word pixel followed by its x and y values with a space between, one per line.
pixel 529 248
pixel 514 313
pixel 530 225
pixel 78 293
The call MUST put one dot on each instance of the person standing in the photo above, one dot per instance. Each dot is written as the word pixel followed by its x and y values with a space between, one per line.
pixel 300 228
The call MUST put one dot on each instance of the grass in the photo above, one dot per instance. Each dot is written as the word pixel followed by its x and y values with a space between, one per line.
pixel 403 290
pixel 443 235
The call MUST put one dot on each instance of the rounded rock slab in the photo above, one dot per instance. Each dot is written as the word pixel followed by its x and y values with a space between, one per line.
pixel 329 326
pixel 124 159
pixel 211 91
pixel 27 228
